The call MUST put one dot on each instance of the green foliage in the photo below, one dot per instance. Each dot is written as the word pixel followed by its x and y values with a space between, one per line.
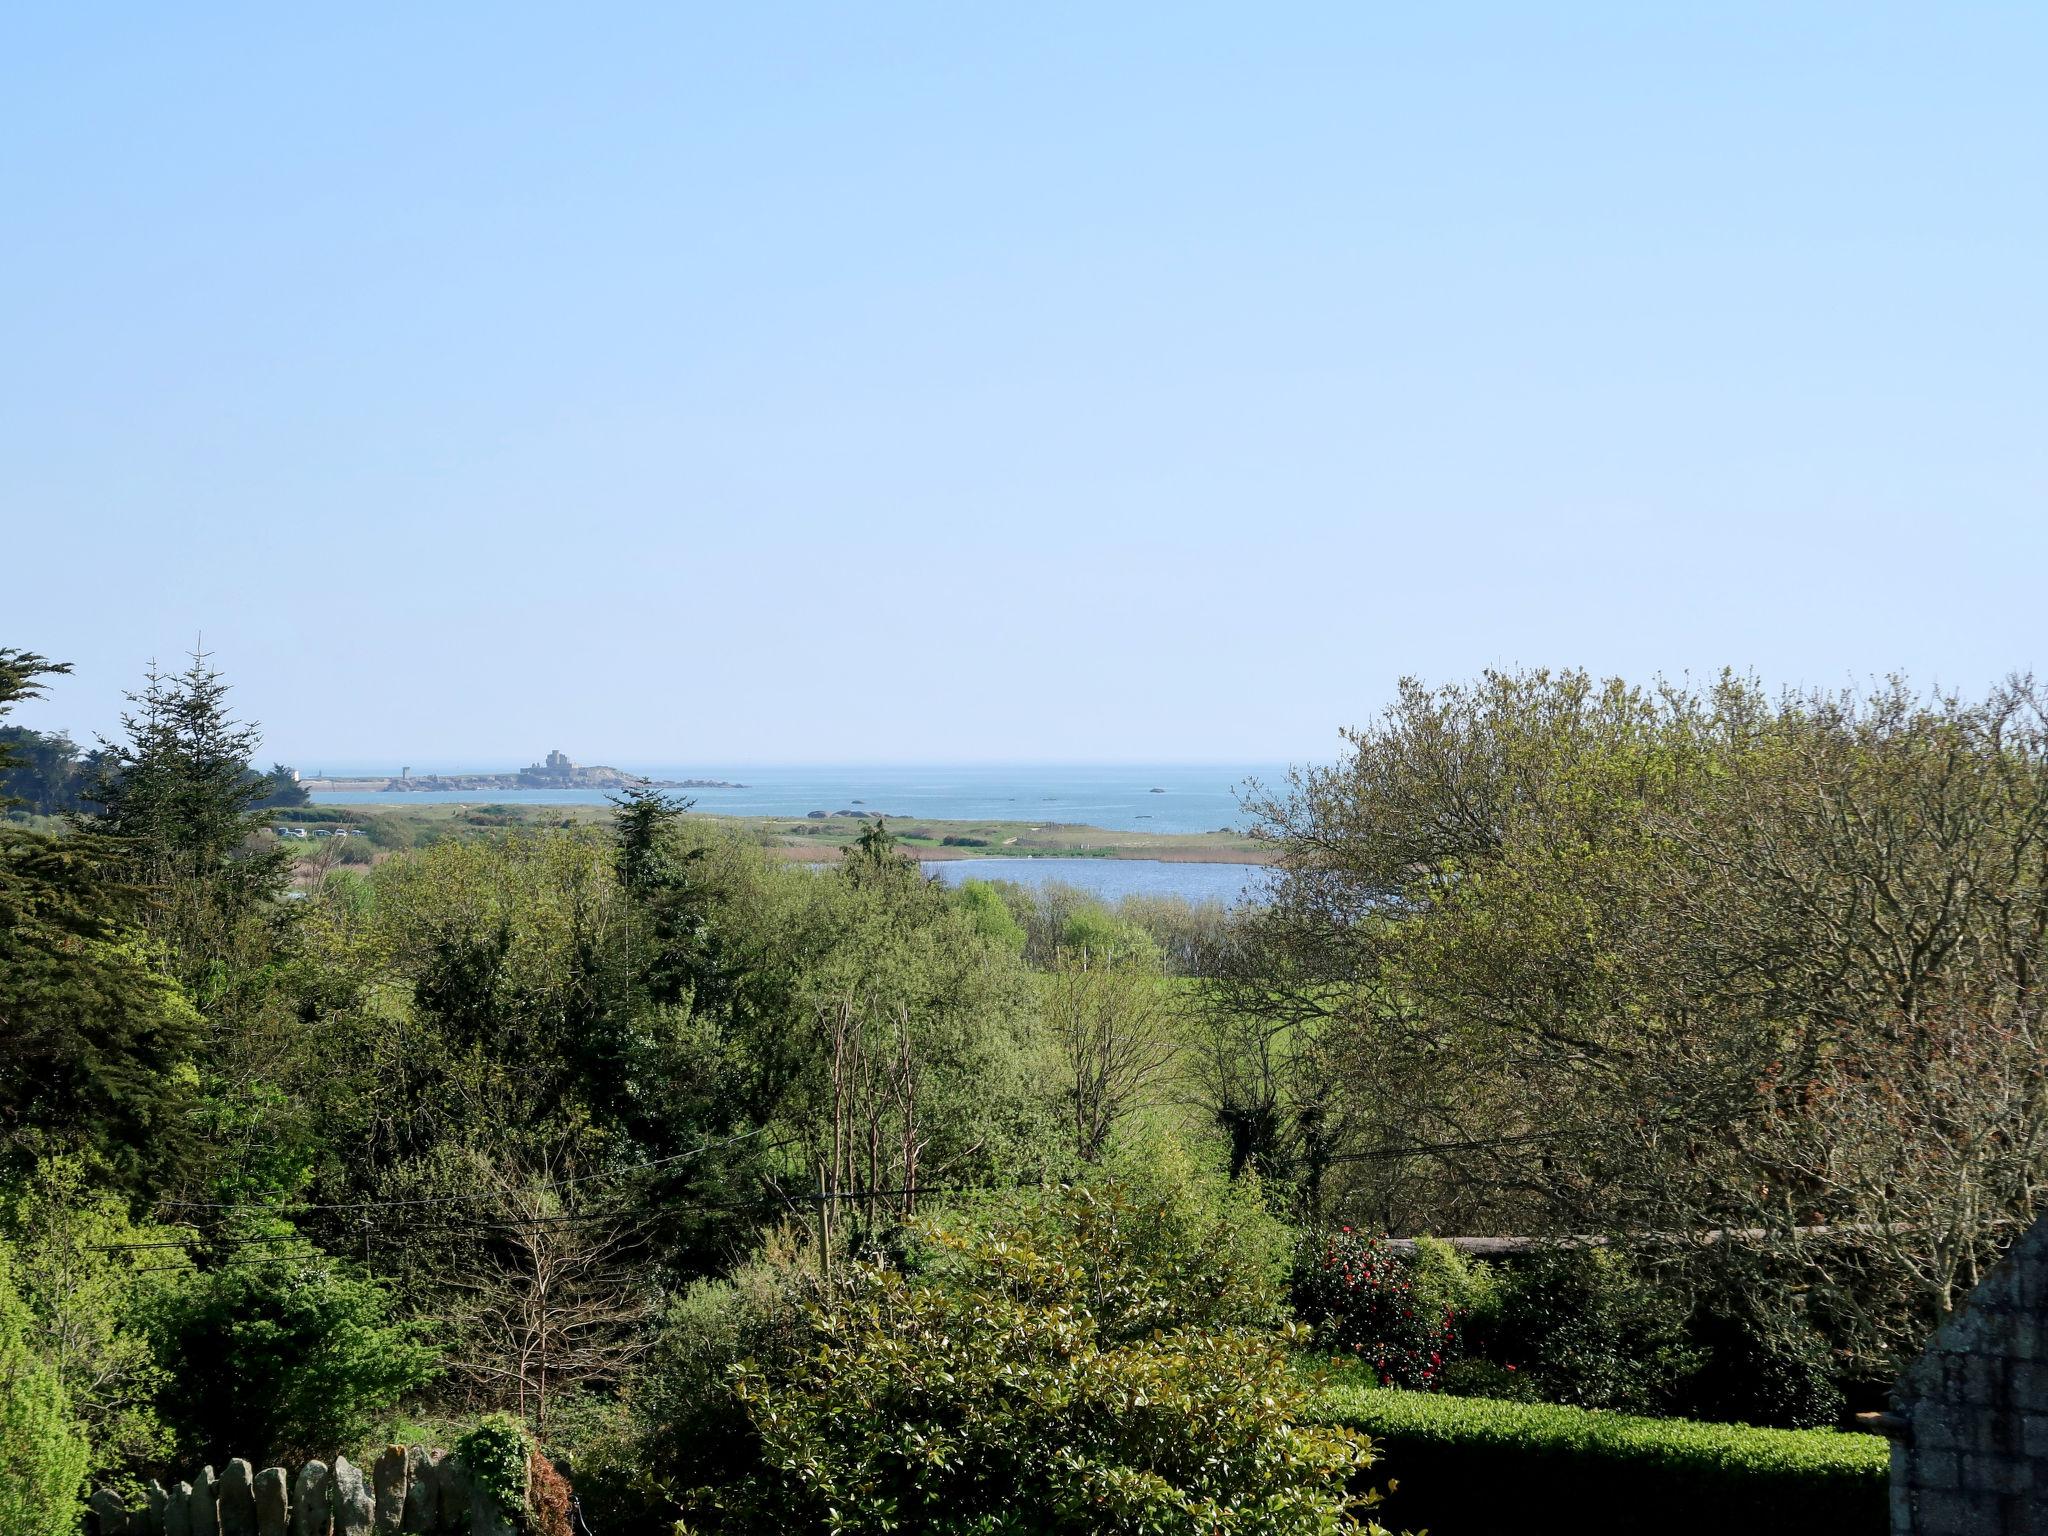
pixel 43 1455
pixel 497 1452
pixel 280 788
pixel 1447 1281
pixel 177 800
pixel 1468 1464
pixel 990 914
pixel 1094 930
pixel 1061 1367
pixel 678 1443
pixel 282 1355
pixel 1760 1365
pixel 1365 1306
pixel 97 1037
pixel 90 1278
pixel 40 774
pixel 1582 1326
pixel 1601 958
pixel 676 957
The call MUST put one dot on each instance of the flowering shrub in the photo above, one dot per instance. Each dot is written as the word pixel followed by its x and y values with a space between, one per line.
pixel 1361 1299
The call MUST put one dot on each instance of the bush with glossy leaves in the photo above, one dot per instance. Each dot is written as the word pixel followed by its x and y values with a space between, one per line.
pixel 1050 1370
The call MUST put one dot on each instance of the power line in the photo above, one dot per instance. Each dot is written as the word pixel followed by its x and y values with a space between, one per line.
pixel 387 1205
pixel 512 1225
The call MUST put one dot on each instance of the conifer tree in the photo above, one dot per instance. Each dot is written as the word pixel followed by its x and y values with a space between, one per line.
pixel 93 1031
pixel 177 802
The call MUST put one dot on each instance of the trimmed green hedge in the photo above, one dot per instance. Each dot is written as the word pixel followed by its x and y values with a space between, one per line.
pixel 1472 1466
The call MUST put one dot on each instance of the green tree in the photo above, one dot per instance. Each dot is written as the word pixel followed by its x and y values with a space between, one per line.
pixel 281 787
pixel 90 1278
pixel 675 961
pixel 1581 956
pixel 990 914
pixel 41 773
pixel 1106 1016
pixel 176 799
pixel 277 1352
pixel 98 1039
pixel 43 1456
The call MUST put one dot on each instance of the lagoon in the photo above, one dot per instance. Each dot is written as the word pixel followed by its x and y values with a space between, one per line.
pixel 1112 879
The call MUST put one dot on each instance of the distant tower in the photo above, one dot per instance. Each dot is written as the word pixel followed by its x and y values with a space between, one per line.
pixel 405 773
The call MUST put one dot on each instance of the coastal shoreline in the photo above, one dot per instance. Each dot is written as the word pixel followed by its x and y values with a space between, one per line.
pixel 808 839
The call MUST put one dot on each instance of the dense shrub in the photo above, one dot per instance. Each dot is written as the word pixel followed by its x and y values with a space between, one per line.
pixel 1051 1370
pixel 1364 1303
pixel 1468 1466
pixel 1581 1326
pixel 42 1454
pixel 1759 1366
pixel 675 1443
pixel 393 833
pixel 287 1357
pixel 87 1274
pixel 991 914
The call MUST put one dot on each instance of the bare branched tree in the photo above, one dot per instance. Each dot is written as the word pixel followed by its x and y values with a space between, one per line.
pixel 555 1300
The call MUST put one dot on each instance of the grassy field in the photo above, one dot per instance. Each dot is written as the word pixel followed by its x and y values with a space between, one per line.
pixel 804 839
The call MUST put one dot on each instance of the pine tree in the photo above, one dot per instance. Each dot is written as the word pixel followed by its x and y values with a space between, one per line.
pixel 94 1032
pixel 177 801
pixel 673 958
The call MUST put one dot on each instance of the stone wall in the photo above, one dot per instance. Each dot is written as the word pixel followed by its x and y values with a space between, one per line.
pixel 409 1488
pixel 1969 1421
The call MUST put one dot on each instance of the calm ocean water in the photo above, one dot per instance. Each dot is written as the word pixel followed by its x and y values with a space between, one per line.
pixel 1195 799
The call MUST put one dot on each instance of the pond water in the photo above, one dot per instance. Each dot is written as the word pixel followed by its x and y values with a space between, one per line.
pixel 1112 879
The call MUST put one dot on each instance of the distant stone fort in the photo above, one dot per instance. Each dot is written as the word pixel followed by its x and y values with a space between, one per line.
pixel 555 769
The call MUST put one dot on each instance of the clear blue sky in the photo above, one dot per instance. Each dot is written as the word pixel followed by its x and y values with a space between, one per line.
pixel 885 382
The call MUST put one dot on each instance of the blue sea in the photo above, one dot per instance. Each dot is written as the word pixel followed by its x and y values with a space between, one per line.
pixel 1119 797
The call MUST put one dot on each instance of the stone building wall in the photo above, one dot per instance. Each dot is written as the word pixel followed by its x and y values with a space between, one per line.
pixel 409 1489
pixel 1970 1419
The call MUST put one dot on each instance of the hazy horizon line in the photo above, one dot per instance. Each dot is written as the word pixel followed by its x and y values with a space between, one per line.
pixel 340 766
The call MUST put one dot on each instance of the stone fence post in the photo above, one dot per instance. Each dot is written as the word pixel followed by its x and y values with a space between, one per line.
pixel 410 1491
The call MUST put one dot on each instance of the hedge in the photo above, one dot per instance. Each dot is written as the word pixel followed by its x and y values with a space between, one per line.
pixel 1475 1466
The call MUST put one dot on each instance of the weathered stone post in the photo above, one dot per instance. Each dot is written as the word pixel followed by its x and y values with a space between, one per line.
pixel 422 1490
pixel 155 1501
pixel 388 1476
pixel 312 1500
pixel 238 1499
pixel 273 1504
pixel 110 1512
pixel 452 1506
pixel 487 1517
pixel 353 1507
pixel 178 1510
pixel 205 1504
